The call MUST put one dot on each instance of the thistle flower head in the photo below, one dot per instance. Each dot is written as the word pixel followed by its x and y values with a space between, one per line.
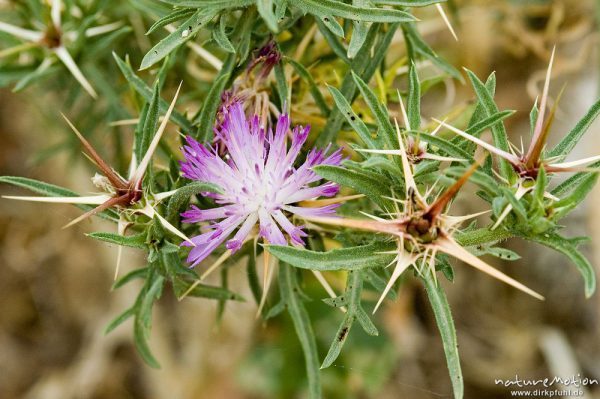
pixel 259 181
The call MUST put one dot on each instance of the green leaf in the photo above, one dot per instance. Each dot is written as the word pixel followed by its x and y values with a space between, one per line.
pixel 567 144
pixel 183 33
pixel 408 3
pixel 378 110
pixel 150 123
pixel 359 32
pixel 334 43
pixel 517 207
pixel 120 319
pixel 275 310
pixel 539 190
pixel 483 180
pixel 333 25
pixel 135 241
pixel 214 4
pixel 354 285
pixel 170 18
pixel 47 189
pixel 146 92
pixel 325 8
pixel 501 253
pixel 221 38
pixel 417 45
pixel 265 9
pixel 338 341
pixel 357 124
pixel 498 131
pixel 533 114
pixel 352 258
pixel 288 286
pixel 443 318
pixel 143 320
pixel 572 182
pixel 561 244
pixel 578 193
pixel 183 194
pixel 487 122
pixel 282 87
pixel 360 182
pixel 132 275
pixel 252 275
pixel 414 98
pixel 208 114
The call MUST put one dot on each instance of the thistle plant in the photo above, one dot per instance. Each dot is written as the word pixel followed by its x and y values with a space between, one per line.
pixel 294 148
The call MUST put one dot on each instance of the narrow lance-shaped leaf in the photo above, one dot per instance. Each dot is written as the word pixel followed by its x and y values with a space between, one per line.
pixel 150 123
pixel 445 323
pixel 361 182
pixel 288 286
pixel 217 4
pixel 182 34
pixel 170 18
pixel 206 119
pixel 140 273
pixel 560 244
pixel 134 241
pixel 357 124
pixel 282 87
pixel 414 98
pixel 498 130
pixel 143 319
pixel 339 9
pixel 355 312
pixel 352 258
pixel 221 38
pixel 578 193
pixel 408 3
pixel 359 32
pixel 378 111
pixel 417 45
pixel 120 319
pixel 572 182
pixel 265 9
pixel 566 145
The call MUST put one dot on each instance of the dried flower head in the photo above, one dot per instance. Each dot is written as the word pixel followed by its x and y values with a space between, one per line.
pixel 259 181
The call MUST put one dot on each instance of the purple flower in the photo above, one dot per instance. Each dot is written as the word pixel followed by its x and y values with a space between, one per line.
pixel 259 181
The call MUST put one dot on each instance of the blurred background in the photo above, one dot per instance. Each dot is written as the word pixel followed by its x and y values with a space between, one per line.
pixel 55 284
